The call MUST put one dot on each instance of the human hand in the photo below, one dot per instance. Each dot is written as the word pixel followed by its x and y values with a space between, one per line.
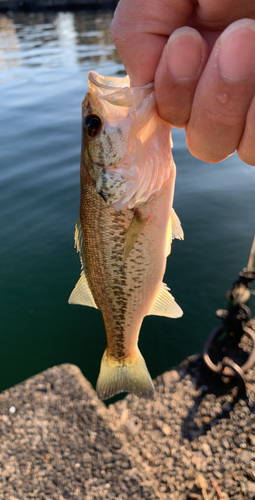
pixel 201 57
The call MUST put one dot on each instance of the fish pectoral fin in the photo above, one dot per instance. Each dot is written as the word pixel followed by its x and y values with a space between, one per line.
pixel 174 230
pixel 165 305
pixel 125 375
pixel 177 231
pixel 81 293
pixel 135 228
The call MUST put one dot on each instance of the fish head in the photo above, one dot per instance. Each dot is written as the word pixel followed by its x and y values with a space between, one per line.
pixel 118 122
pixel 105 134
pixel 106 128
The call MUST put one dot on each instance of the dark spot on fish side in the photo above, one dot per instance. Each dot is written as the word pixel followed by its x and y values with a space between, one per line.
pixel 109 141
pixel 103 195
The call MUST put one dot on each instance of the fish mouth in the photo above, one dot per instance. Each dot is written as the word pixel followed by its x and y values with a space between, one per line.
pixel 116 90
pixel 106 82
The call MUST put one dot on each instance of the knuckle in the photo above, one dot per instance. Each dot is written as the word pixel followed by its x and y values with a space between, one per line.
pixel 122 24
pixel 117 32
pixel 224 117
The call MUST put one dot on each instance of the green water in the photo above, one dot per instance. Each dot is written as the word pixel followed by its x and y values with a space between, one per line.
pixel 44 61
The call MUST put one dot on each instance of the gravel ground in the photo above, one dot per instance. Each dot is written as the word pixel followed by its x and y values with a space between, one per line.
pixel 56 442
pixel 195 440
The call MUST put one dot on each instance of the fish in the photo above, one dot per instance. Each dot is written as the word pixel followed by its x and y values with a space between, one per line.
pixel 126 224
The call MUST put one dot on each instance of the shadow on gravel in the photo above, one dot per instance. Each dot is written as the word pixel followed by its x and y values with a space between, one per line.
pixel 216 401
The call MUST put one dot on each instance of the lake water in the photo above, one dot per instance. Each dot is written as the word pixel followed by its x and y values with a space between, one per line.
pixel 44 62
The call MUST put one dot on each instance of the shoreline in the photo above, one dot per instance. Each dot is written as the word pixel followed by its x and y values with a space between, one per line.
pixel 44 5
pixel 194 440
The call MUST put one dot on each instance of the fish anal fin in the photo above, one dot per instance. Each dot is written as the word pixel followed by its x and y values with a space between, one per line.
pixel 126 375
pixel 81 293
pixel 165 305
pixel 135 228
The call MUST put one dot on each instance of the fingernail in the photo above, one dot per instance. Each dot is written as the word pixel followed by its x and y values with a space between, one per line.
pixel 184 52
pixel 236 58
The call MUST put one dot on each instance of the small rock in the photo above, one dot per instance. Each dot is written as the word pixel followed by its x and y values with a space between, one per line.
pixel 252 439
pixel 250 487
pixel 171 376
pixel 218 474
pixel 201 482
pixel 166 430
pixel 243 486
pixel 132 427
pixel 206 449
pixel 6 419
pixel 125 464
pixel 165 478
pixel 197 461
pixel 225 444
pixel 246 456
pixel 169 462
pixel 242 423
pixel 228 483
pixel 43 387
pixel 156 436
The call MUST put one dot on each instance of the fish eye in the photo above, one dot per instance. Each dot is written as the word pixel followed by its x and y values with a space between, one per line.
pixel 93 124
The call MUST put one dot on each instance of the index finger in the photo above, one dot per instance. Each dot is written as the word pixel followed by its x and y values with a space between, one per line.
pixel 140 31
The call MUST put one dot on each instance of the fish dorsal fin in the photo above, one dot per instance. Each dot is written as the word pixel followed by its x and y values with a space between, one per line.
pixel 174 230
pixel 165 305
pixel 81 293
pixel 176 226
pixel 135 228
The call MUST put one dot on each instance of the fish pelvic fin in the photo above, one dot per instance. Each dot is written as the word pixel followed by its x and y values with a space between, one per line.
pixel 125 375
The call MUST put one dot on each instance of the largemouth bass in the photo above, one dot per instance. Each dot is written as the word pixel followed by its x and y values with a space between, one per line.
pixel 126 224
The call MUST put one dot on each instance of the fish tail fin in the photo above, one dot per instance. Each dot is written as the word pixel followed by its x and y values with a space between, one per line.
pixel 125 375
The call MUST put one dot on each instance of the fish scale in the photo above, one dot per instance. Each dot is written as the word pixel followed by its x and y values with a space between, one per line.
pixel 101 254
pixel 120 292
